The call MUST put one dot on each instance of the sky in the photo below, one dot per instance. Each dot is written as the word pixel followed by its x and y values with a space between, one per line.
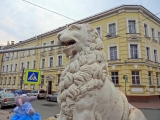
pixel 20 21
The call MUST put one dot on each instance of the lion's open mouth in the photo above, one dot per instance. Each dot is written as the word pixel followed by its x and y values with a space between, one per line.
pixel 68 43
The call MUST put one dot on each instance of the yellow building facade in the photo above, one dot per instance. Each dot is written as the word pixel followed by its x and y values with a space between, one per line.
pixel 131 38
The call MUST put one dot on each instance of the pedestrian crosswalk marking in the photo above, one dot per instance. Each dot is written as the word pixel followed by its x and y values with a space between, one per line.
pixel 32 77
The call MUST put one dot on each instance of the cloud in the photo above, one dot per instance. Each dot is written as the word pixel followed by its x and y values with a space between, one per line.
pixel 33 21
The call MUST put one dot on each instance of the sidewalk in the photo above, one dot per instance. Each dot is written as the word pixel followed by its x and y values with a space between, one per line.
pixel 5 115
pixel 149 105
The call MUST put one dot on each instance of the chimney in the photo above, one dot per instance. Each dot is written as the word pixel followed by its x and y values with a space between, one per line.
pixel 12 42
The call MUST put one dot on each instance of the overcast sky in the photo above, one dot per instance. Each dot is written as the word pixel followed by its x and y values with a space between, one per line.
pixel 28 20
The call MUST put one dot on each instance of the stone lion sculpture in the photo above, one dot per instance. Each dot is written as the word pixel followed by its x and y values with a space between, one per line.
pixel 86 91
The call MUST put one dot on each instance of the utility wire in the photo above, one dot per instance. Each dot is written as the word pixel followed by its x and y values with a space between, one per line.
pixel 14 16
pixel 49 10
pixel 75 20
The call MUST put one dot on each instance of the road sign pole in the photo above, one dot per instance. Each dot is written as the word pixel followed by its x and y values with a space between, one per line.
pixel 125 87
pixel 22 77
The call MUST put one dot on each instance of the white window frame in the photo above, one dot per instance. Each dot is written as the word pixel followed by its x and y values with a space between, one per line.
pixel 150 53
pixel 62 59
pixel 29 52
pixel 159 36
pixel 112 23
pixel 113 80
pixel 52 48
pixel 11 67
pixel 33 64
pixel 100 30
pixel 138 46
pixel 147 29
pixel 15 68
pixel 44 63
pixel 44 49
pixel 113 45
pixel 21 66
pixel 7 68
pixel 3 68
pixel 49 61
pixel 150 77
pixel 16 56
pixel 135 78
pixel 154 33
pixel 27 65
pixel 58 78
pixel 157 55
pixel 136 23
pixel 23 54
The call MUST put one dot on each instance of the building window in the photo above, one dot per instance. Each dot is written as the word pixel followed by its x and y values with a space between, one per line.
pixel 14 81
pixel 145 29
pixel 43 50
pixel 28 65
pixel 114 76
pixel 153 33
pixel 7 68
pixel 16 54
pixel 135 77
pixel 23 53
pixel 159 36
pixel 150 78
pixel 157 78
pixel 3 69
pixel 51 62
pixel 134 51
pixel 52 43
pixel 99 31
pixel 5 81
pixel 28 52
pixel 22 65
pixel 34 64
pixel 155 56
pixel 113 53
pixel 11 68
pixel 15 68
pixel 60 60
pixel 9 81
pixel 12 55
pixel 148 53
pixel 112 29
pixel 132 26
pixel 43 63
pixel 58 79
pixel 42 80
pixel 1 81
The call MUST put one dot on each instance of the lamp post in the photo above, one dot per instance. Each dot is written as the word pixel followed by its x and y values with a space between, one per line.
pixel 22 77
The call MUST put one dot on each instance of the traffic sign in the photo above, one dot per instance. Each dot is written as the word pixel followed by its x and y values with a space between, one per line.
pixel 32 77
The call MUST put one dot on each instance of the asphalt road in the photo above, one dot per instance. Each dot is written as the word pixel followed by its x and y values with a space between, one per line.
pixel 48 109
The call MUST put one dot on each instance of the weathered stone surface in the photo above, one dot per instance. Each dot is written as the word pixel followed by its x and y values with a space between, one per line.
pixel 86 91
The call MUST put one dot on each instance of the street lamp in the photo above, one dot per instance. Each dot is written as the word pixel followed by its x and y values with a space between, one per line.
pixel 22 77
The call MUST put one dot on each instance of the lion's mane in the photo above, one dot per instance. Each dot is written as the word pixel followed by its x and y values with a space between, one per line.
pixel 84 72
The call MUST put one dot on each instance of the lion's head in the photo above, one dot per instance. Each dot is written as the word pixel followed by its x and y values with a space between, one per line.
pixel 86 69
pixel 77 37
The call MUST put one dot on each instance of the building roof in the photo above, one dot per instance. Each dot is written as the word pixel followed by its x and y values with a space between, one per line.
pixel 91 18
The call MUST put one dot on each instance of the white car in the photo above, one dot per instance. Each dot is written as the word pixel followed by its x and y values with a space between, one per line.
pixel 38 93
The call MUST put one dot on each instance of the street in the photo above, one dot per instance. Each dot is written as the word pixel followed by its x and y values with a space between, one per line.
pixel 48 109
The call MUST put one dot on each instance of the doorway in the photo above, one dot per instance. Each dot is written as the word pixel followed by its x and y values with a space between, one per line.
pixel 49 87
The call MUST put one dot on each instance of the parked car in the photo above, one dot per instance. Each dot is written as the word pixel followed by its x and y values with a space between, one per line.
pixel 38 93
pixel 52 97
pixel 5 90
pixel 6 99
pixel 19 92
